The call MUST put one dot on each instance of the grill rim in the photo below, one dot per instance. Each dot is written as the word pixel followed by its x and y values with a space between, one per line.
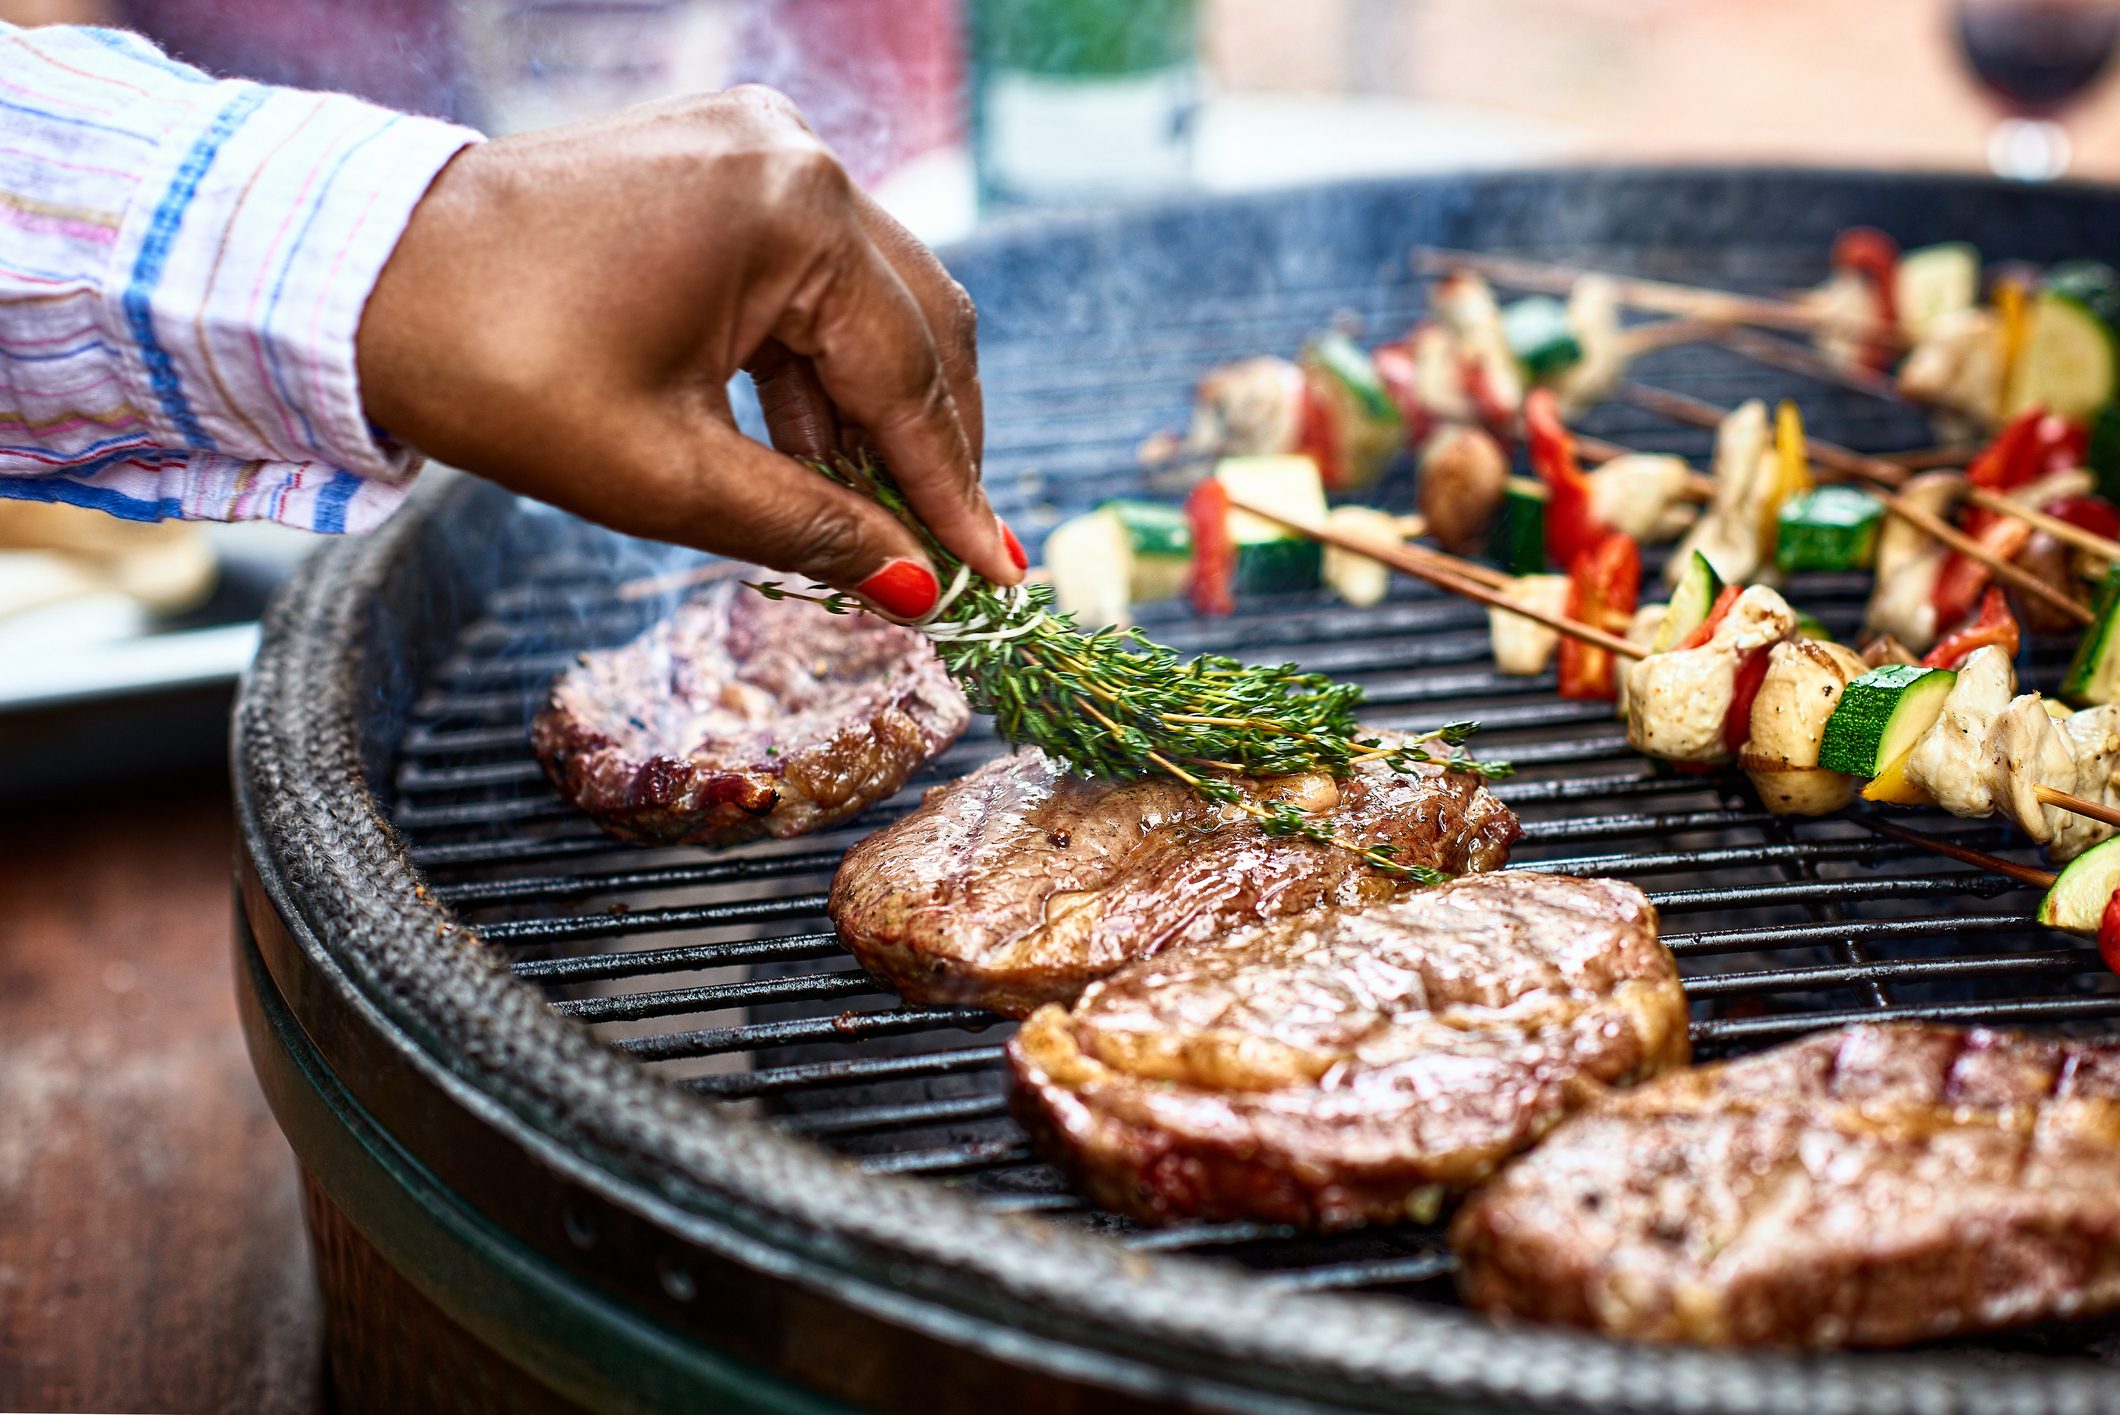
pixel 365 973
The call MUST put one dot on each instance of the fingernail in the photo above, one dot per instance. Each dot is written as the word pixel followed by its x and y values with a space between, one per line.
pixel 902 589
pixel 1015 547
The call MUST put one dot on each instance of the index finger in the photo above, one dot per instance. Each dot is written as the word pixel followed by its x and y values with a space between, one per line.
pixel 871 347
pixel 952 319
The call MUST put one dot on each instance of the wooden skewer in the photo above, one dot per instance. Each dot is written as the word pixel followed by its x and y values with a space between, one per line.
pixel 2068 533
pixel 1777 352
pixel 1927 459
pixel 1480 583
pixel 1448 572
pixel 1681 408
pixel 2078 805
pixel 2023 874
pixel 1658 296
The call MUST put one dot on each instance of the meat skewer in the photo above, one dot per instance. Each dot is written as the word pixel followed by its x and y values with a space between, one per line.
pixel 1657 296
pixel 1696 412
pixel 1449 573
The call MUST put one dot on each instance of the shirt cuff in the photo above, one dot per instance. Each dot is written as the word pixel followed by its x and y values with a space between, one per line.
pixel 242 266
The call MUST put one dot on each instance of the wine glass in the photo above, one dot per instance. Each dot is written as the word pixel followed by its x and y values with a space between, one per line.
pixel 2035 58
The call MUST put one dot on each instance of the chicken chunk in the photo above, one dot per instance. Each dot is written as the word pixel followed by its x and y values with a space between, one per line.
pixel 1593 315
pixel 2094 738
pixel 1678 700
pixel 1949 761
pixel 1642 495
pixel 1728 532
pixel 1802 686
pixel 1908 562
pixel 1247 407
pixel 2026 749
pixel 1958 367
pixel 1524 647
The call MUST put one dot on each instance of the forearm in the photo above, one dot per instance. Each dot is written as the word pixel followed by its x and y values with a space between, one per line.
pixel 183 266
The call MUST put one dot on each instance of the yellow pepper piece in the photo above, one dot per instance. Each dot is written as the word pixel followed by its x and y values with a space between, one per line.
pixel 1793 474
pixel 1893 788
pixel 2010 303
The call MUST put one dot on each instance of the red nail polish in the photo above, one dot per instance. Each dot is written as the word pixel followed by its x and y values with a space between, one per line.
pixel 1015 548
pixel 902 589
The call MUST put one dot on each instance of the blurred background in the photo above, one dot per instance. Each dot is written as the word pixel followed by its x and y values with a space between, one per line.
pixel 118 645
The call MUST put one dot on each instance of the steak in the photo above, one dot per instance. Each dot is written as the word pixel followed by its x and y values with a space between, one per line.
pixel 1867 1187
pixel 740 716
pixel 1022 882
pixel 1351 1067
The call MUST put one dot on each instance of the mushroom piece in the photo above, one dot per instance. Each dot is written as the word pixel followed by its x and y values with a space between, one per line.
pixel 1462 478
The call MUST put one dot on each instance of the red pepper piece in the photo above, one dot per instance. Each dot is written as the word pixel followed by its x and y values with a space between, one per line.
pixel 1317 439
pixel 1571 527
pixel 1996 625
pixel 1960 582
pixel 1717 612
pixel 1873 255
pixel 1395 367
pixel 2109 933
pixel 2033 444
pixel 1212 582
pixel 2012 458
pixel 1604 586
pixel 1737 723
pixel 2091 513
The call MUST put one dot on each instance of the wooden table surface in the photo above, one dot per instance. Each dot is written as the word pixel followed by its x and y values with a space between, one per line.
pixel 151 1247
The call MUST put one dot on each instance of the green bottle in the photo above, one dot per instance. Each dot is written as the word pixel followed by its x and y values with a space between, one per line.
pixel 1082 100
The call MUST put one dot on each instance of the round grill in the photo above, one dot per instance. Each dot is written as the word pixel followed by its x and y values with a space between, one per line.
pixel 638 1128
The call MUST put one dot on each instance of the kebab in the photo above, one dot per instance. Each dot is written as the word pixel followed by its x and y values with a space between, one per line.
pixel 1733 680
pixel 2044 342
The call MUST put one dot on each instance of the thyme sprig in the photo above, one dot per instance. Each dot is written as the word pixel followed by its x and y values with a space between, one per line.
pixel 1113 703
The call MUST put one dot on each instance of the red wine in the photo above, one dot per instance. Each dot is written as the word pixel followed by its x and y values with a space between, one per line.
pixel 2036 55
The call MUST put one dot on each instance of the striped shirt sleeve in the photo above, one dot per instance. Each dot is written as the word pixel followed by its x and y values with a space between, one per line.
pixel 183 263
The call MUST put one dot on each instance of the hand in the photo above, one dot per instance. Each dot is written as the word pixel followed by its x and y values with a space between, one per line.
pixel 566 307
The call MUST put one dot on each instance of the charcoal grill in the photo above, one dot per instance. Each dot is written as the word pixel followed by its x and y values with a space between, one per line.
pixel 591 1127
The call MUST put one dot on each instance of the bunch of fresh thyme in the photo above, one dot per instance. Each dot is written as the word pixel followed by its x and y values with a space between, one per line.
pixel 1113 703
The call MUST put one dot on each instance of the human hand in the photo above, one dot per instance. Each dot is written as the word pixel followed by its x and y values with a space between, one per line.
pixel 565 309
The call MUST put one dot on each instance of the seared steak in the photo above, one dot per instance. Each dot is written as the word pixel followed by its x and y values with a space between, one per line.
pixel 1351 1067
pixel 1866 1187
pixel 1021 883
pixel 740 716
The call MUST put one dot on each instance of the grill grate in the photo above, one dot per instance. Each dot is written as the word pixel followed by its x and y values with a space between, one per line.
pixel 720 972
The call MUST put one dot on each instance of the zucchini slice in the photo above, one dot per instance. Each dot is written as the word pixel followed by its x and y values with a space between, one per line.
pixel 2092 282
pixel 1935 281
pixel 1367 428
pixel 2067 364
pixel 1698 587
pixel 1271 559
pixel 1830 528
pixel 2093 675
pixel 2076 901
pixel 1518 540
pixel 1880 716
pixel 1540 337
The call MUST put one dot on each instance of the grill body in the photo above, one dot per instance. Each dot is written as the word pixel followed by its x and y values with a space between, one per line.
pixel 613 1129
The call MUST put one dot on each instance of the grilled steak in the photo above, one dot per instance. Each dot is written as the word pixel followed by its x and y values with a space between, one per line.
pixel 740 716
pixel 1866 1187
pixel 1021 883
pixel 1351 1067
